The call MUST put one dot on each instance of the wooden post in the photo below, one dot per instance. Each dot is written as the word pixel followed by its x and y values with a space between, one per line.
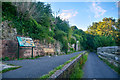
pixel 18 51
pixel 32 52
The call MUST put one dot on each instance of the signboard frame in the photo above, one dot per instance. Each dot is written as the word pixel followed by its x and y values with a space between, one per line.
pixel 25 42
pixel 20 42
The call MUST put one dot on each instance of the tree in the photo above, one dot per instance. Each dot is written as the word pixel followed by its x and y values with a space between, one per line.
pixel 101 41
pixel 62 25
pixel 74 28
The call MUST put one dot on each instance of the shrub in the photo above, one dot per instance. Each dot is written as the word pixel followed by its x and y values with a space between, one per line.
pixel 6 59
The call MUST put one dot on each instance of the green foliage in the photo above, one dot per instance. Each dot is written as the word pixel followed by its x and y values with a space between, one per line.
pixel 35 20
pixel 58 68
pixel 62 37
pixel 108 27
pixel 90 42
pixel 20 58
pixel 71 49
pixel 6 59
pixel 9 69
pixel 52 72
pixel 65 46
pixel 74 28
pixel 8 11
pixel 44 77
pixel 117 69
pixel 81 36
pixel 59 35
pixel 51 33
pixel 77 71
pixel 62 25
pixel 69 34
pixel 73 41
pixel 100 41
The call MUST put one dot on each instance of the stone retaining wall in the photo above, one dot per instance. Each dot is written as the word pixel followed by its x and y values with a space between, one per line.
pixel 68 68
pixel 9 44
pixel 112 54
pixel 9 49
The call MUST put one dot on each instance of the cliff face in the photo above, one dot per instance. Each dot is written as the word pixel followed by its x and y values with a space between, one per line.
pixel 8 40
pixel 8 33
pixel 9 44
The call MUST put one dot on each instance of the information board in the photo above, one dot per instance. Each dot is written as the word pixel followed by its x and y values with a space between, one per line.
pixel 25 42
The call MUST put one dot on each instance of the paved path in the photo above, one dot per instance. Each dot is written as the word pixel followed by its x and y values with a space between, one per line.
pixel 37 67
pixel 96 68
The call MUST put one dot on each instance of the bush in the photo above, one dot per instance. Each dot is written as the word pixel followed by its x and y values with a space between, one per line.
pixel 6 59
pixel 101 41
pixel 71 49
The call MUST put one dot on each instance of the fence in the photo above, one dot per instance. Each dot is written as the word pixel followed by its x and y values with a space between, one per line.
pixel 111 54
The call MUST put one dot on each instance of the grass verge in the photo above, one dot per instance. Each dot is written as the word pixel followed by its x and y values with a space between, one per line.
pixel 9 69
pixel 58 68
pixel 78 72
pixel 117 69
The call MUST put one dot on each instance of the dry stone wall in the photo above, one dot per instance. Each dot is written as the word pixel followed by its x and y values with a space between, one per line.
pixel 112 54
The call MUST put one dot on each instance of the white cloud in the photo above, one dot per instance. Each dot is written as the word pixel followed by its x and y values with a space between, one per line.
pixel 97 10
pixel 67 14
pixel 117 4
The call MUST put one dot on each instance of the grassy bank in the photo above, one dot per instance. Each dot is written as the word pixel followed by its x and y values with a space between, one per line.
pixel 78 72
pixel 58 68
pixel 9 69
pixel 116 69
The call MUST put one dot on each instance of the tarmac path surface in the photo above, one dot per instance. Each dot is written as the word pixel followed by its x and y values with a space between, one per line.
pixel 37 67
pixel 96 68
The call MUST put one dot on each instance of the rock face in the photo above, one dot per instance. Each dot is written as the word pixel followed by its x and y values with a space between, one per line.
pixel 9 44
pixel 8 33
pixel 112 54
pixel 57 47
pixel 8 40
pixel 77 47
